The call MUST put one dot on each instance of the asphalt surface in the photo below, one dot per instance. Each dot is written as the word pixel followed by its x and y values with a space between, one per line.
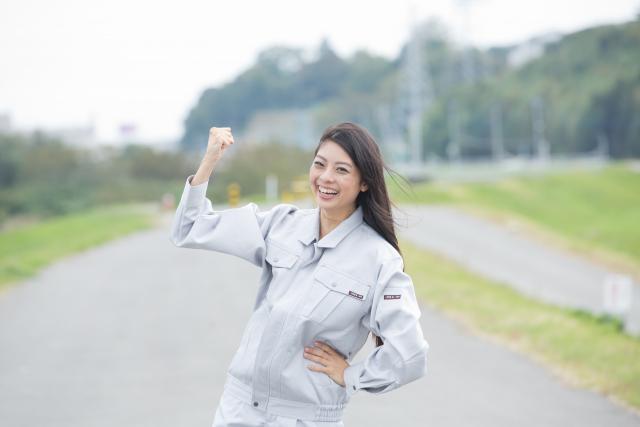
pixel 504 254
pixel 140 333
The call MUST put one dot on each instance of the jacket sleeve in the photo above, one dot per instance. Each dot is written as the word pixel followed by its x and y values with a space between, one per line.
pixel 395 318
pixel 236 231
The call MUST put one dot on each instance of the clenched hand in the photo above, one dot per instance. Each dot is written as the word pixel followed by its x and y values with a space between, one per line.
pixel 219 140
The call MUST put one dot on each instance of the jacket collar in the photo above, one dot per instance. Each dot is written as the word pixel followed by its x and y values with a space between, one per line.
pixel 311 229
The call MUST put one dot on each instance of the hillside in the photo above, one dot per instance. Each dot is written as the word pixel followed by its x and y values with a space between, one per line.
pixel 585 87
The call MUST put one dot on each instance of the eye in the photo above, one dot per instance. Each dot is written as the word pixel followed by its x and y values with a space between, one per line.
pixel 317 163
pixel 343 169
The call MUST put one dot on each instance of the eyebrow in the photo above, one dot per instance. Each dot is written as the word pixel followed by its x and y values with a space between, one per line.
pixel 344 163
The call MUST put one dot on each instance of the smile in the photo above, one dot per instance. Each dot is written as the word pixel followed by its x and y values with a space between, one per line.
pixel 327 191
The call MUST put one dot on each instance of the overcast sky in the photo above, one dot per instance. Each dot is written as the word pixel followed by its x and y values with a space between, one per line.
pixel 73 62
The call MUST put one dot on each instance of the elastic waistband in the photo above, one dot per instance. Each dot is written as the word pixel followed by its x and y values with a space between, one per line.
pixel 287 408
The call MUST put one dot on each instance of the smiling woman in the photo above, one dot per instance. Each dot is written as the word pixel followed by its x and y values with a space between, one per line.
pixel 340 185
pixel 336 184
pixel 331 276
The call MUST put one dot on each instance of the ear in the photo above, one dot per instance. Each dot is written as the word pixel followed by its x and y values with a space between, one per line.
pixel 364 187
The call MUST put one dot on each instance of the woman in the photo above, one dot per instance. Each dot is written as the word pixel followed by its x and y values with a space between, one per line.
pixel 330 275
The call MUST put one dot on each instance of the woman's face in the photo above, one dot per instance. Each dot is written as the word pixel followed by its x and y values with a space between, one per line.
pixel 333 170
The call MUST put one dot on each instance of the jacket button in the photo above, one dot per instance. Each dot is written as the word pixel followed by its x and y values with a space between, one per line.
pixel 354 387
pixel 255 403
pixel 275 259
pixel 333 284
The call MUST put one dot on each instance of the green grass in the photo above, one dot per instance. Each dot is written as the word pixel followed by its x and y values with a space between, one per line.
pixel 26 250
pixel 582 349
pixel 593 212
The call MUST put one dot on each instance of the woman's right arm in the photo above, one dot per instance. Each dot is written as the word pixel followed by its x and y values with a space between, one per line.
pixel 237 231
pixel 219 140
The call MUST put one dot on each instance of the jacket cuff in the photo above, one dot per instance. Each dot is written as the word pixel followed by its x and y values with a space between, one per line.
pixel 194 193
pixel 351 378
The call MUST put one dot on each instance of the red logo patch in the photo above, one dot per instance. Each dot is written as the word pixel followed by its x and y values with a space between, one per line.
pixel 392 297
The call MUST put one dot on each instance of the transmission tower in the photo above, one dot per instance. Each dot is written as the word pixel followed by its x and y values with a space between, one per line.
pixel 418 90
pixel 468 62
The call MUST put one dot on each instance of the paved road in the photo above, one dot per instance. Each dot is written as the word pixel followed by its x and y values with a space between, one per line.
pixel 140 333
pixel 502 254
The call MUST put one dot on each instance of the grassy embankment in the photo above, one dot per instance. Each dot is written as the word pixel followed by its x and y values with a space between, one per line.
pixel 581 349
pixel 27 249
pixel 595 213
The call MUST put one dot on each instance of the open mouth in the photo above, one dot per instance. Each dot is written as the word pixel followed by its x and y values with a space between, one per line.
pixel 326 193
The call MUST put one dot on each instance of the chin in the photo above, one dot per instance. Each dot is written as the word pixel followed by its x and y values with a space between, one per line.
pixel 336 205
pixel 326 203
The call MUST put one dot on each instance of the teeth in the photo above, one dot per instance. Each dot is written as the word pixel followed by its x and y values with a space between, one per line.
pixel 327 190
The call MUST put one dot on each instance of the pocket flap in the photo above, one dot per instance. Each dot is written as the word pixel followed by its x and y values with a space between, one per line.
pixel 277 256
pixel 340 282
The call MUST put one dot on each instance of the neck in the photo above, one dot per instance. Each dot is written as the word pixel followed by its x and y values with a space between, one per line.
pixel 330 219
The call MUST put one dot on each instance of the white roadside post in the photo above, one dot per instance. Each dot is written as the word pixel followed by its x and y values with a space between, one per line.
pixel 620 300
pixel 632 319
pixel 271 188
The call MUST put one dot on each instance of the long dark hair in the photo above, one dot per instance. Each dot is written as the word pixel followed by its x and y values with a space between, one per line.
pixel 365 153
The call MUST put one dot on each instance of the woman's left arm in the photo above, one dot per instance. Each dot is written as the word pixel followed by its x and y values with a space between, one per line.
pixel 395 317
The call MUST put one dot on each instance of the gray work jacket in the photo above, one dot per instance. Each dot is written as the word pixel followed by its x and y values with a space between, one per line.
pixel 336 290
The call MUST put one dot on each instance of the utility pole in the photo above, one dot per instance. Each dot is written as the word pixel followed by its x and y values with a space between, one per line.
pixel 497 142
pixel 540 144
pixel 454 143
pixel 393 146
pixel 602 149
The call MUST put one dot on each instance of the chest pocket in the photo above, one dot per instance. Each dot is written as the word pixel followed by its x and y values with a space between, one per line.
pixel 279 256
pixel 281 261
pixel 334 297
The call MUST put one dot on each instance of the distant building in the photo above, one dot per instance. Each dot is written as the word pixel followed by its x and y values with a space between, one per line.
pixel 293 127
pixel 530 50
pixel 78 136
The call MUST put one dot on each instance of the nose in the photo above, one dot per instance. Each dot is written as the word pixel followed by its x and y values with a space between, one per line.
pixel 326 176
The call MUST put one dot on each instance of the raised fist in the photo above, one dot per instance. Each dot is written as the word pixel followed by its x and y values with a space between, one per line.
pixel 219 140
